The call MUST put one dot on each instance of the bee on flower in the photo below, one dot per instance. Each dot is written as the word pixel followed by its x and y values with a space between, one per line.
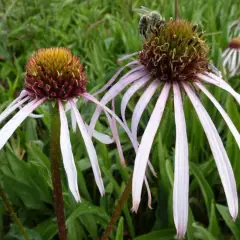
pixel 174 60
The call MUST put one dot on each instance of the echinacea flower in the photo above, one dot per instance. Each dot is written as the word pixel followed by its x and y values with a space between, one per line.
pixel 56 76
pixel 175 56
pixel 231 56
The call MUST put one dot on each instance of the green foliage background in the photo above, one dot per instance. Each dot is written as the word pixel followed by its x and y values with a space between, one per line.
pixel 100 32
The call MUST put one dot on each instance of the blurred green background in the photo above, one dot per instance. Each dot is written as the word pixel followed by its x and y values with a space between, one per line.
pixel 99 32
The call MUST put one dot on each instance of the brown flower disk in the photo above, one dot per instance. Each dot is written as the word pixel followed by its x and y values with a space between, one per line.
pixel 175 52
pixel 54 73
pixel 235 43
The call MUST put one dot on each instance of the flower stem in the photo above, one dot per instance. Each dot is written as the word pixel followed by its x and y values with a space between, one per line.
pixel 12 213
pixel 176 9
pixel 55 154
pixel 118 209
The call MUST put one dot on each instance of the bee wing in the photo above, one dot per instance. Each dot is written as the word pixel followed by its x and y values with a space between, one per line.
pixel 140 11
pixel 214 70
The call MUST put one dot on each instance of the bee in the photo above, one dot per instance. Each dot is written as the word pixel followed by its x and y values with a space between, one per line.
pixel 148 21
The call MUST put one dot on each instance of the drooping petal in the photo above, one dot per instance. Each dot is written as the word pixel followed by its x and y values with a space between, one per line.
pixel 67 155
pixel 101 137
pixel 148 193
pixel 9 128
pixel 112 80
pixel 141 105
pixel 145 146
pixel 90 148
pixel 225 116
pixel 128 56
pixel 219 153
pixel 32 115
pixel 74 121
pixel 22 94
pixel 225 61
pixel 116 137
pixel 12 108
pixel 130 92
pixel 225 52
pixel 113 92
pixel 181 168
pixel 213 79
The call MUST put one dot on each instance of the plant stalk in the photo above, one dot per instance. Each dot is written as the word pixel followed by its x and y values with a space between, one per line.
pixel 12 213
pixel 55 155
pixel 118 209
pixel 176 9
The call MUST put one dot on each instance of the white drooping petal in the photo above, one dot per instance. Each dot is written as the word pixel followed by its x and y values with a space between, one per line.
pixel 90 148
pixel 101 137
pixel 32 115
pixel 223 164
pixel 148 193
pixel 181 168
pixel 226 59
pixel 145 146
pixel 67 154
pixel 225 53
pixel 12 108
pixel 128 56
pixel 141 105
pixel 112 80
pixel 225 116
pixel 9 128
pixel 213 79
pixel 114 128
pixel 113 92
pixel 22 94
pixel 74 121
pixel 130 92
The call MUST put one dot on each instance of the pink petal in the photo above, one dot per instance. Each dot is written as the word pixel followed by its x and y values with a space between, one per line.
pixel 219 153
pixel 12 108
pixel 67 155
pixel 141 105
pixel 90 148
pixel 112 93
pixel 130 92
pixel 9 128
pixel 181 168
pixel 213 79
pixel 127 56
pixel 145 146
pixel 22 94
pixel 225 116
pixel 112 80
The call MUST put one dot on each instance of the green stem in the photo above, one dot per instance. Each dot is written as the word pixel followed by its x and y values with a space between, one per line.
pixel 12 213
pixel 55 154
pixel 118 209
pixel 176 9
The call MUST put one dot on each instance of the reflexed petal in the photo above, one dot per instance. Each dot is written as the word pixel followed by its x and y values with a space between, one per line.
pixel 12 108
pixel 149 193
pixel 225 61
pixel 128 56
pixel 112 80
pixel 32 115
pixel 90 148
pixel 130 92
pixel 219 153
pixel 116 136
pixel 141 105
pixel 225 116
pixel 145 146
pixel 22 94
pixel 213 79
pixel 9 128
pixel 112 93
pixel 181 168
pixel 74 121
pixel 67 155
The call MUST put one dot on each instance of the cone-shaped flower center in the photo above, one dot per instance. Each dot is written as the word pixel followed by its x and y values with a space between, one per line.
pixel 175 52
pixel 54 73
pixel 235 43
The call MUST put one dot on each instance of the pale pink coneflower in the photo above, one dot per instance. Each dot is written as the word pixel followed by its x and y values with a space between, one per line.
pixel 56 76
pixel 231 55
pixel 174 57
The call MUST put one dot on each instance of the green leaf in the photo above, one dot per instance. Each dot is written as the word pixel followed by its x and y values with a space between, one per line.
pixel 165 234
pixel 120 228
pixel 204 186
pixel 47 229
pixel 213 222
pixel 234 226
pixel 203 233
